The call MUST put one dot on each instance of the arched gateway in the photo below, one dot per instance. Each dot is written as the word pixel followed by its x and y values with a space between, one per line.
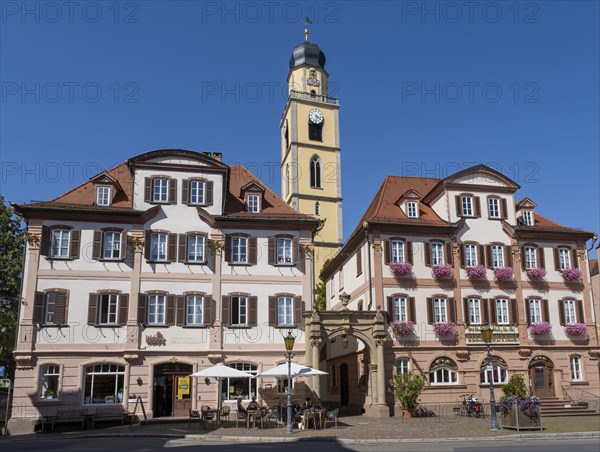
pixel 368 327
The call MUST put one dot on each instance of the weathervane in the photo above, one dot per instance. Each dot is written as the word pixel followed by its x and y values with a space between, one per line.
pixel 307 22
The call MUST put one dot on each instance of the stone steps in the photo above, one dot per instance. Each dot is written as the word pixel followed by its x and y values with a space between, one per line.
pixel 554 407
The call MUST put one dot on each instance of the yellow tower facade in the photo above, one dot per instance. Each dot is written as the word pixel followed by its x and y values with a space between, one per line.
pixel 310 149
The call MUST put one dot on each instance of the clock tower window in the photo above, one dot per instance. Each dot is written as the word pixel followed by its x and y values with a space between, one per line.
pixel 315 172
pixel 315 132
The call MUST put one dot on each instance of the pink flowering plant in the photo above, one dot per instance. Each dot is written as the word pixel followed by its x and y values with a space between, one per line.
pixel 536 273
pixel 478 271
pixel 571 274
pixel 444 329
pixel 503 273
pixel 401 268
pixel 576 329
pixel 403 327
pixel 442 271
pixel 540 328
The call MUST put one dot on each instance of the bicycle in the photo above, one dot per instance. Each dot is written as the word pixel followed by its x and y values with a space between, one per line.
pixel 470 406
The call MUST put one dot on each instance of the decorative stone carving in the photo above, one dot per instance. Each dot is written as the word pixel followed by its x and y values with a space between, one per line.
pixel 130 357
pixel 24 362
pixel 524 353
pixel 594 354
pixel 463 355
pixel 456 250
pixel 516 254
pixel 307 249
pixel 157 340
pixel 217 245
pixel 345 299
pixel 136 242
pixel 215 358
pixel 316 342
pixel 34 239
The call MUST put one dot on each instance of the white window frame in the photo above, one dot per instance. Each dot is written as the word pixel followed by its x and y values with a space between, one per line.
pixel 575 366
pixel 197 195
pixel 157 307
pixel 497 256
pixel 96 371
pixel 49 380
pixel 443 376
pixel 249 385
pixel 111 245
pixel 194 310
pixel 103 196
pixel 108 309
pixel 570 308
pixel 239 249
pixel 527 216
pixel 397 250
pixel 195 248
pixel 50 308
pixel 502 311
pixel 494 208
pixel 160 190
pixel 470 255
pixel 466 205
pixel 437 253
pixel 240 305
pixel 402 366
pixel 285 311
pixel 474 305
pixel 284 251
pixel 530 257
pixel 564 258
pixel 535 310
pixel 253 203
pixel 60 243
pixel 400 305
pixel 412 209
pixel 159 246
pixel 440 310
pixel 500 375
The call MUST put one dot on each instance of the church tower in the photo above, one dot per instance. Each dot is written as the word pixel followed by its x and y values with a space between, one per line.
pixel 310 149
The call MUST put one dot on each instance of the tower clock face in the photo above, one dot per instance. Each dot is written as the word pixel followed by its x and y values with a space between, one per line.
pixel 315 116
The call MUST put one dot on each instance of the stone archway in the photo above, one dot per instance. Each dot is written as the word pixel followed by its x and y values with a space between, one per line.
pixel 369 327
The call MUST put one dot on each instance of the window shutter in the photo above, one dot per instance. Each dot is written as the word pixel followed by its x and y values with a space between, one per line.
pixel 545 313
pixel 123 250
pixel 60 316
pixel 180 311
pixel 123 309
pixel 208 195
pixel 503 208
pixel 430 318
pixel 147 244
pixel 463 256
pixel 390 309
pixel 514 312
pixel 451 310
pixel 409 252
pixel 541 262
pixel 387 251
pixel 556 259
pixel 253 304
pixel 411 314
pixel 484 306
pixel 209 310
pixel 227 248
pixel 172 191
pixel 574 260
pixel 295 250
pixel 45 241
pixel 93 309
pixel 182 247
pixel 272 251
pixel 480 255
pixel 528 312
pixel 185 191
pixel 523 258
pixel 297 310
pixel 490 260
pixel 172 248
pixel 226 310
pixel 466 307
pixel 148 189
pixel 38 307
pixel 74 241
pixel 449 256
pixel 458 206
pixel 142 317
pixel 272 311
pixel 492 309
pixel 476 206
pixel 252 250
pixel 97 245
pixel 508 256
pixel 561 312
pixel 580 315
pixel 427 248
pixel 170 317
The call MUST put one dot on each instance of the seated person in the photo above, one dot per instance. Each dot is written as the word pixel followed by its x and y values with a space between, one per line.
pixel 307 404
pixel 240 407
pixel 254 404
pixel 296 411
pixel 318 405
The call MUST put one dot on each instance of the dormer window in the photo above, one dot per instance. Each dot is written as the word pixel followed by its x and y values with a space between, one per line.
pixel 467 205
pixel 412 209
pixel 527 216
pixel 253 203
pixel 103 196
pixel 160 189
pixel 197 191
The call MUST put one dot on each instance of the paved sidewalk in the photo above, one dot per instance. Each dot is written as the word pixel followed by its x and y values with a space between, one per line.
pixel 352 429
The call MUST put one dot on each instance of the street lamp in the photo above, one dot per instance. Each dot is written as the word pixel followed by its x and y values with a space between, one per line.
pixel 289 347
pixel 487 333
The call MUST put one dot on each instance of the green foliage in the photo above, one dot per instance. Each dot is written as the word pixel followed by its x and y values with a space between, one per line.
pixel 407 388
pixel 320 290
pixel 515 387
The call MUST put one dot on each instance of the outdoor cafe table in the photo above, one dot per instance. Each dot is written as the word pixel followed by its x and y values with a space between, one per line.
pixel 216 417
pixel 250 416
pixel 319 418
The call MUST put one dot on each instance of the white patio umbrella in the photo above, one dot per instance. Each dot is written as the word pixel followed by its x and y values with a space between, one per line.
pixel 218 372
pixel 297 370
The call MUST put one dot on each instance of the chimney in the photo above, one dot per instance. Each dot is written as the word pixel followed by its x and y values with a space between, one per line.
pixel 217 156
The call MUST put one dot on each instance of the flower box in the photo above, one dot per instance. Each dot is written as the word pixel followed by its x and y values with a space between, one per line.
pixel 576 329
pixel 536 274
pixel 538 329
pixel 403 327
pixel 442 271
pixel 571 274
pixel 444 329
pixel 401 268
pixel 503 273
pixel 520 414
pixel 476 272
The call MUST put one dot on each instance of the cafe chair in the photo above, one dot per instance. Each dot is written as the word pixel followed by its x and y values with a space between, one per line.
pixel 310 416
pixel 241 416
pixel 207 415
pixel 225 410
pixel 194 414
pixel 332 416
pixel 273 416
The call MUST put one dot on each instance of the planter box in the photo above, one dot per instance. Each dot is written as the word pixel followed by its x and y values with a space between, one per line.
pixel 516 419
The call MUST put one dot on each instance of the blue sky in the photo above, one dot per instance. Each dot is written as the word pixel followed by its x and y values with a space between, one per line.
pixel 426 89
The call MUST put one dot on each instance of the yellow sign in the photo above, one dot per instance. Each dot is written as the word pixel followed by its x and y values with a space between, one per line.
pixel 183 387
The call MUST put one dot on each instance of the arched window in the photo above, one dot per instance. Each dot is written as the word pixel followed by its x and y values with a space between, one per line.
pixel 240 387
pixel 499 370
pixel 443 371
pixel 315 172
pixel 104 383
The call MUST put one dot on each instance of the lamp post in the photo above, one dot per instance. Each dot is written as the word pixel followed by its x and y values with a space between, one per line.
pixel 289 347
pixel 487 333
pixel 366 228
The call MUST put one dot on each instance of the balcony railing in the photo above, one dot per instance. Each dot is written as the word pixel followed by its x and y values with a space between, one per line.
pixel 314 98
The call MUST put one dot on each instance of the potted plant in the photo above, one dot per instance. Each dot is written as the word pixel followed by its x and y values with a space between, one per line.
pixel 540 328
pixel 401 268
pixel 444 328
pixel 49 394
pixel 518 410
pixel 442 271
pixel 576 329
pixel 403 327
pixel 407 388
pixel 536 274
pixel 476 272
pixel 109 398
pixel 571 274
pixel 503 273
